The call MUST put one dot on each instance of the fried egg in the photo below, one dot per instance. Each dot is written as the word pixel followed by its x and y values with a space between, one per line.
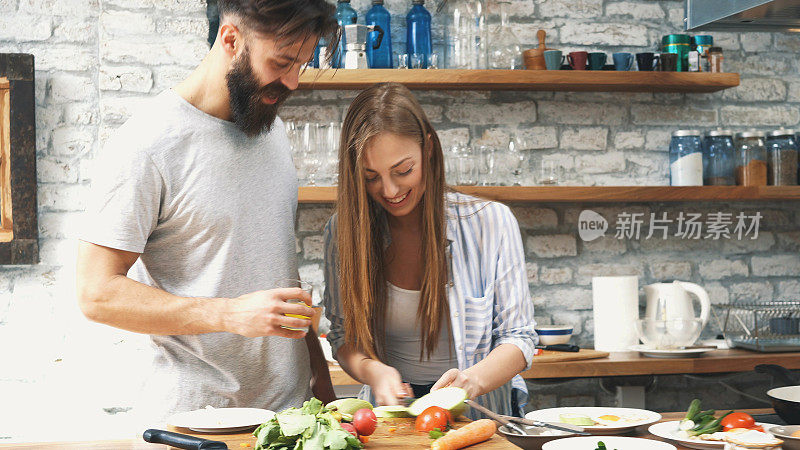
pixel 744 437
pixel 611 420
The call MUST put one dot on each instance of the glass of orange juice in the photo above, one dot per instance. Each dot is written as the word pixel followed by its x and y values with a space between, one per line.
pixel 292 283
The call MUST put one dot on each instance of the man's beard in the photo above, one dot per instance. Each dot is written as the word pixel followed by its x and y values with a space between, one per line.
pixel 248 111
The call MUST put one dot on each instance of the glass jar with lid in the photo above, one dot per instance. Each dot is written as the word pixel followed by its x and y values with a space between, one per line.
pixel 686 158
pixel 751 159
pixel 718 158
pixel 781 158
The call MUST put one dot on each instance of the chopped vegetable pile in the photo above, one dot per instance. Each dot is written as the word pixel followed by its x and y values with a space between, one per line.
pixel 311 427
pixel 699 422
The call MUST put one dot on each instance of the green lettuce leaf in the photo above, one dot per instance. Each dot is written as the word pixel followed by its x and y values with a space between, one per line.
pixel 293 422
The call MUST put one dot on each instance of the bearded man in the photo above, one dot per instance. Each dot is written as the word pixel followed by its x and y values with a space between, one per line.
pixel 192 223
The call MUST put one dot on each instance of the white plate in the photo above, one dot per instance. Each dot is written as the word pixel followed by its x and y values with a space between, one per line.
pixel 552 415
pixel 669 430
pixel 612 443
pixel 220 420
pixel 678 353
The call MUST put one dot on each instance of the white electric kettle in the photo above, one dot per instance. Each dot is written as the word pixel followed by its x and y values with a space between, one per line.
pixel 666 301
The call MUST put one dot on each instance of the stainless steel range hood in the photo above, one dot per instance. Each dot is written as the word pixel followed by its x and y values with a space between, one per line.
pixel 743 15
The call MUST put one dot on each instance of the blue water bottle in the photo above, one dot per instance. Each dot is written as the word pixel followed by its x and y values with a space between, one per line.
pixel 381 57
pixel 322 43
pixel 418 35
pixel 345 15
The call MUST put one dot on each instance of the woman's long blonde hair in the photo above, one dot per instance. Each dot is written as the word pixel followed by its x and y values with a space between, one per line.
pixel 361 226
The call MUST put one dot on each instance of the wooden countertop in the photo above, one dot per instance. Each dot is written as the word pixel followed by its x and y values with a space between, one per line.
pixel 403 437
pixel 632 363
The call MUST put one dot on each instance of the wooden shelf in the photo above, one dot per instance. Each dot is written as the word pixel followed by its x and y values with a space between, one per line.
pixel 522 80
pixel 598 194
pixel 632 363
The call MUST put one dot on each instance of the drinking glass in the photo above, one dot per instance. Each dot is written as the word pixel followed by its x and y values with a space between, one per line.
pixel 468 167
pixel 550 172
pixel 433 61
pixel 417 60
pixel 333 132
pixel 516 157
pixel 304 285
pixel 312 158
pixel 402 61
pixel 488 159
pixel 451 172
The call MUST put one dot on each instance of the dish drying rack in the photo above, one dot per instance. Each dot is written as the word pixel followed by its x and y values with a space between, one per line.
pixel 764 326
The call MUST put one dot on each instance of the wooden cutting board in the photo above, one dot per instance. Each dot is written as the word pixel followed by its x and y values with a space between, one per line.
pixel 391 433
pixel 548 356
pixel 403 436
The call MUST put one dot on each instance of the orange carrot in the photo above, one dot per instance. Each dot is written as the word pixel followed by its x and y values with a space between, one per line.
pixel 469 434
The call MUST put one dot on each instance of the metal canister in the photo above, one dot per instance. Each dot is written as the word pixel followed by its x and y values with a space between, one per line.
pixel 679 44
pixel 751 159
pixel 715 59
pixel 781 158
pixel 702 43
pixel 718 167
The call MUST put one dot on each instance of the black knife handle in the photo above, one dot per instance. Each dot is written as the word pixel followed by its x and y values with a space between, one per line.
pixel 181 440
pixel 562 347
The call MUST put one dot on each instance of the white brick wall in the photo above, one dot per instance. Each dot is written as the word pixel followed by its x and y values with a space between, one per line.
pixel 97 59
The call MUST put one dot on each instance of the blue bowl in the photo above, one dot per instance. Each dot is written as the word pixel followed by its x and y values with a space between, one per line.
pixel 554 334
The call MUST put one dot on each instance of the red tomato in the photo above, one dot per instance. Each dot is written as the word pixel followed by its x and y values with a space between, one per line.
pixel 365 421
pixel 433 417
pixel 737 420
pixel 350 428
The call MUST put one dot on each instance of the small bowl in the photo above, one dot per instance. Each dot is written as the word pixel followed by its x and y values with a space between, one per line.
pixel 534 440
pixel 785 433
pixel 554 334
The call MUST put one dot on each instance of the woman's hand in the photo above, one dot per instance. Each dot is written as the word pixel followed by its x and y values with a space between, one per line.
pixel 469 381
pixel 386 383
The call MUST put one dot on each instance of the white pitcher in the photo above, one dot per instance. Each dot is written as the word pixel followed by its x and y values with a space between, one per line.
pixel 667 301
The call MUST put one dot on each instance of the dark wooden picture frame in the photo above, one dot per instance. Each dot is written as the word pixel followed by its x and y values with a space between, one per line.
pixel 21 246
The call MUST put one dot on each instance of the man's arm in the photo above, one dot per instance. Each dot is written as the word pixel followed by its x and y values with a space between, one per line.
pixel 321 384
pixel 107 295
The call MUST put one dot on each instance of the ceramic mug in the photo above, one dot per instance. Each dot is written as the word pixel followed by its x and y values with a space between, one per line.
pixel 668 62
pixel 577 60
pixel 597 60
pixel 623 61
pixel 646 61
pixel 553 59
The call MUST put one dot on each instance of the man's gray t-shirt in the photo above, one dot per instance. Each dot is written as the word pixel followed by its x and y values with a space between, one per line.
pixel 212 213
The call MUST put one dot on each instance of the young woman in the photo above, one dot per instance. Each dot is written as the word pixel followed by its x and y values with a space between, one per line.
pixel 424 287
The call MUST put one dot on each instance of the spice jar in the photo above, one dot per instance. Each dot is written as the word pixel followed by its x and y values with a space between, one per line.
pixel 781 158
pixel 718 158
pixel 698 57
pixel 686 158
pixel 715 59
pixel 751 159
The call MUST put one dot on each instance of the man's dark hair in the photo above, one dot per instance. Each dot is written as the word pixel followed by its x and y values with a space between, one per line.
pixel 286 19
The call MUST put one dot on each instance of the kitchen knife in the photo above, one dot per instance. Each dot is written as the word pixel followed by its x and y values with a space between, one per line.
pixel 560 347
pixel 181 440
pixel 498 417
pixel 536 423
